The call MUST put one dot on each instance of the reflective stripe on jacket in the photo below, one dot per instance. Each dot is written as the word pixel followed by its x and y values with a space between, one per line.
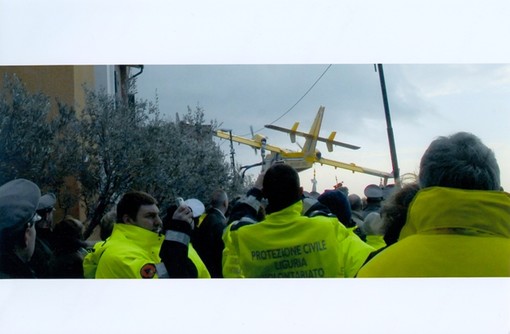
pixel 450 233
pixel 287 244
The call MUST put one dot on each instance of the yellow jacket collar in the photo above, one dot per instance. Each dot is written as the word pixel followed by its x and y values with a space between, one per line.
pixel 137 234
pixel 293 209
pixel 435 208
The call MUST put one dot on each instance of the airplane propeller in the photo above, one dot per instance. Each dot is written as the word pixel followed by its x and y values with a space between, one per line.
pixel 253 138
pixel 260 139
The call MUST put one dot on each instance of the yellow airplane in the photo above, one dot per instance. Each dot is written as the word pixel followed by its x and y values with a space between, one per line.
pixel 304 159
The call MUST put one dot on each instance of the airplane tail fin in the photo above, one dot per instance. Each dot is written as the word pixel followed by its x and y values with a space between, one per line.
pixel 311 141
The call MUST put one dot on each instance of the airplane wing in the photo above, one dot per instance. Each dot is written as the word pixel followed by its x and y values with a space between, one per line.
pixel 328 141
pixel 354 168
pixel 250 142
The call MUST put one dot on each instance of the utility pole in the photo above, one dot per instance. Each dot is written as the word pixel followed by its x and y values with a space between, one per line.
pixel 232 154
pixel 391 138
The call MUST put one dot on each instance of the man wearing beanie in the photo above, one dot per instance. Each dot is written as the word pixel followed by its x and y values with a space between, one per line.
pixel 338 204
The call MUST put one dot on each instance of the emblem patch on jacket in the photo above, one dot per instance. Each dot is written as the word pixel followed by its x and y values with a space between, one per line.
pixel 148 270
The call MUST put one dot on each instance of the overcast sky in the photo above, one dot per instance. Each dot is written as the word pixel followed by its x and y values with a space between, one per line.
pixel 426 101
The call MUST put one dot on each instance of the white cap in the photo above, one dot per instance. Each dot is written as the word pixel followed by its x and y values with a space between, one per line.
pixel 196 206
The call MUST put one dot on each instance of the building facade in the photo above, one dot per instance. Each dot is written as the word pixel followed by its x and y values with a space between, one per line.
pixel 66 83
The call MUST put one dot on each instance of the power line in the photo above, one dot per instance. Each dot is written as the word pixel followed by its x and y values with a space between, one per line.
pixel 302 97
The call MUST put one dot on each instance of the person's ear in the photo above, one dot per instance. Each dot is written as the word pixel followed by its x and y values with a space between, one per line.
pixel 126 219
pixel 27 236
pixel 300 191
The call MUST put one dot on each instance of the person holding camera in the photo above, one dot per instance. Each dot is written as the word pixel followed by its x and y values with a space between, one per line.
pixel 144 246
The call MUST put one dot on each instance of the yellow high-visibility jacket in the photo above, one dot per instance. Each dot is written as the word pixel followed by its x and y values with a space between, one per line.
pixel 450 233
pixel 287 244
pixel 376 241
pixel 127 251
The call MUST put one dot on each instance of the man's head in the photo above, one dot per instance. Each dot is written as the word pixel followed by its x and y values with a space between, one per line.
pixel 459 161
pixel 355 202
pixel 69 228
pixel 140 209
pixel 338 204
pixel 45 210
pixel 373 193
pixel 219 200
pixel 106 224
pixel 18 204
pixel 281 187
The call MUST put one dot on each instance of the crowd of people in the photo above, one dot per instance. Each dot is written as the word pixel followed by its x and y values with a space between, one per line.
pixel 454 221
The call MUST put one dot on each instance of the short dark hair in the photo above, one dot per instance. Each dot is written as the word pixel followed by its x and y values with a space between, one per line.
pixel 69 227
pixel 355 202
pixel 131 202
pixel 459 161
pixel 281 187
pixel 106 224
pixel 218 197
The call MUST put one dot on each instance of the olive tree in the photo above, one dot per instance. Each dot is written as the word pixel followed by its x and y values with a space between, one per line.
pixel 38 143
pixel 108 148
pixel 117 150
pixel 130 147
pixel 191 164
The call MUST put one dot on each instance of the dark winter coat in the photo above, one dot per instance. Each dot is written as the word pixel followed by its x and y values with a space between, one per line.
pixel 11 266
pixel 207 241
